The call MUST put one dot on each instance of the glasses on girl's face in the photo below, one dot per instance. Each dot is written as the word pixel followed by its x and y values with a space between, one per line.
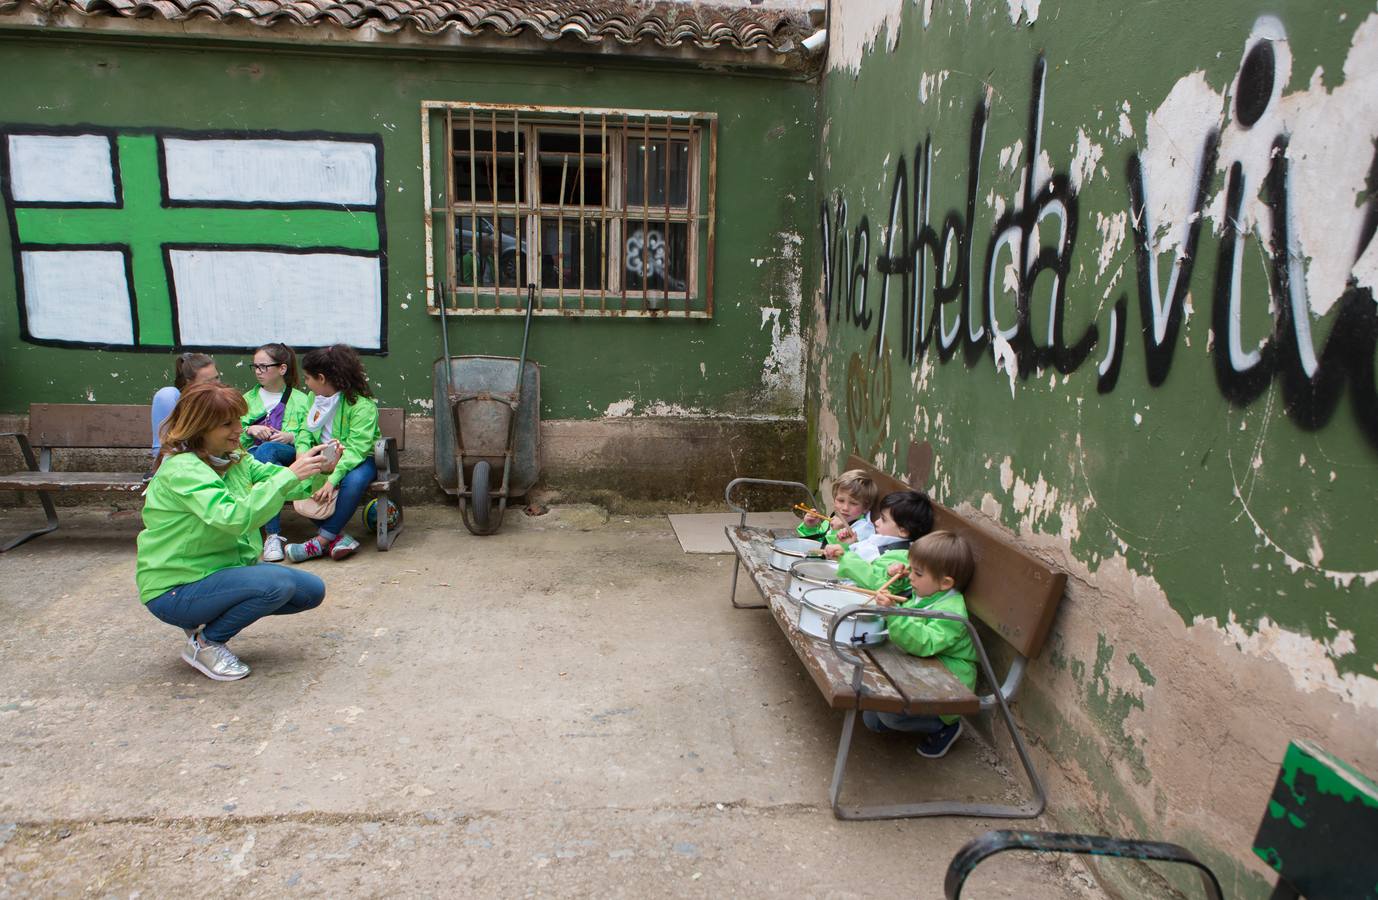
pixel 263 367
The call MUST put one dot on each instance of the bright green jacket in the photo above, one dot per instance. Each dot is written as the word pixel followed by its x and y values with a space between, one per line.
pixel 871 575
pixel 825 532
pixel 355 427
pixel 298 403
pixel 948 641
pixel 197 522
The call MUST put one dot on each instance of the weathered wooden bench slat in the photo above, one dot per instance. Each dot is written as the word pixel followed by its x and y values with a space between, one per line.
pixel 928 688
pixel 123 482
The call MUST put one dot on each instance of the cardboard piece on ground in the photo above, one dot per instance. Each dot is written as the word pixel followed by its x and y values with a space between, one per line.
pixel 703 532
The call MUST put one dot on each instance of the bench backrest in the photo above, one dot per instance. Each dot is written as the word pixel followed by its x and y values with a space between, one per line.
pixel 128 426
pixel 1014 593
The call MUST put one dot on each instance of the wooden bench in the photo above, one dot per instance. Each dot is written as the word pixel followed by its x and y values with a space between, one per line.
pixel 1013 593
pixel 68 426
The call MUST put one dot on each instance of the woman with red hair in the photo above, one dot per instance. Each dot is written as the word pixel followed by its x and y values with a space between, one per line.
pixel 202 513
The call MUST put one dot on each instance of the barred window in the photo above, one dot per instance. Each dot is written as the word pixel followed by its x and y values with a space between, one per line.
pixel 606 212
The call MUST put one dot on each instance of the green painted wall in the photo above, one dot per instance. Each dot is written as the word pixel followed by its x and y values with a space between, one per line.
pixel 1206 465
pixel 742 362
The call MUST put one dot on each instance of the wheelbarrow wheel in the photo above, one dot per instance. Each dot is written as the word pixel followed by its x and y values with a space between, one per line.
pixel 480 502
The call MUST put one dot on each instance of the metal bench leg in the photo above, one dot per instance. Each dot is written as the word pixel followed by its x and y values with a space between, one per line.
pixel 50 510
pixel 1030 810
pixel 35 465
pixel 736 568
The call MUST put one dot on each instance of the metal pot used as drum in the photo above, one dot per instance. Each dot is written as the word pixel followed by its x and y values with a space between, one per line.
pixel 807 574
pixel 820 604
pixel 785 552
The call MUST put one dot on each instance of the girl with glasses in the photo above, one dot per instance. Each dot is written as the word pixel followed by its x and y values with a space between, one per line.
pixel 276 409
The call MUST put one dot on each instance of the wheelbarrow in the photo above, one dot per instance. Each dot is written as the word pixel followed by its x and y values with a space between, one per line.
pixel 493 423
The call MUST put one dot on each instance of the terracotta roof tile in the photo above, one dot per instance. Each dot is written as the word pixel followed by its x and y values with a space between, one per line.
pixel 664 22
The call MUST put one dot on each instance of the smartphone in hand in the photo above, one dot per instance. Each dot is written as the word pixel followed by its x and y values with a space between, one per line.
pixel 330 453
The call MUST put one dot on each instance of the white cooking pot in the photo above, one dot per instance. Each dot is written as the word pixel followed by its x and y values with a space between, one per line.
pixel 785 552
pixel 807 574
pixel 818 607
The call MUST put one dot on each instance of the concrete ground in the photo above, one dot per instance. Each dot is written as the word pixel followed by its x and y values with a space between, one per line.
pixel 567 708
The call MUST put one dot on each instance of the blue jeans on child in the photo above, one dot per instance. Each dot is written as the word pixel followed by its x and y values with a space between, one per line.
pixel 352 488
pixel 883 722
pixel 278 455
pixel 228 601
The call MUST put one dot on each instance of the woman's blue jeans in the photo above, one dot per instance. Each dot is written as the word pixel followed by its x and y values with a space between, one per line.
pixel 228 601
pixel 352 489
pixel 278 455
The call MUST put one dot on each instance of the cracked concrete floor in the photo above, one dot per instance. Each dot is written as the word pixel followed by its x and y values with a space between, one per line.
pixel 569 707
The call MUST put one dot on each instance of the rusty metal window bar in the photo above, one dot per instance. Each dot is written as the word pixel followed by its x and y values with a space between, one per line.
pixel 608 212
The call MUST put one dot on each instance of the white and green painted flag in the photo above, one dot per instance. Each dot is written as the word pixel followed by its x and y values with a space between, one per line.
pixel 155 240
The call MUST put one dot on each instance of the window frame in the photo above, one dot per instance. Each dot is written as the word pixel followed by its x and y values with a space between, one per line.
pixel 618 129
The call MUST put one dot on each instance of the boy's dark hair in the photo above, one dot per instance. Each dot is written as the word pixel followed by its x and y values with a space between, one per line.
pixel 944 554
pixel 185 367
pixel 911 511
pixel 339 365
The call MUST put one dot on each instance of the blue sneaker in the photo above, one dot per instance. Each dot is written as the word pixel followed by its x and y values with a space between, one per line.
pixel 936 745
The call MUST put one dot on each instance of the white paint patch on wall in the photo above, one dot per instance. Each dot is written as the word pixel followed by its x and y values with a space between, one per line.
pixel 782 373
pixel 243 298
pixel 619 409
pixel 1028 9
pixel 856 25
pixel 272 171
pixel 1311 663
pixel 1174 136
pixel 1112 234
pixel 1086 156
pixel 77 295
pixel 1330 134
pixel 61 168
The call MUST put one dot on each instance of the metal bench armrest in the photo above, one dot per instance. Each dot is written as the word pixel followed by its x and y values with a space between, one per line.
pixel 732 485
pixel 987 845
pixel 385 458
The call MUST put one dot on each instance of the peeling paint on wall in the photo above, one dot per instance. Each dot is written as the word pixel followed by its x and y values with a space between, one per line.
pixel 851 35
pixel 1109 290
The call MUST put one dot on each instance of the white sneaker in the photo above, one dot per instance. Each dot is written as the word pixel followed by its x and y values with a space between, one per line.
pixel 272 548
pixel 214 660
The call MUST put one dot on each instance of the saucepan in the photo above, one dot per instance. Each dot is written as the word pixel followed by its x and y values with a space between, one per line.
pixel 785 552
pixel 820 605
pixel 807 574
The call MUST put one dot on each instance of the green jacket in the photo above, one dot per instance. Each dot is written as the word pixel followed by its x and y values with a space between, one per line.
pixel 298 402
pixel 948 641
pixel 197 522
pixel 355 427
pixel 871 575
pixel 824 531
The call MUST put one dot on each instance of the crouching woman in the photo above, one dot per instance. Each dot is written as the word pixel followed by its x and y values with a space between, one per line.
pixel 202 512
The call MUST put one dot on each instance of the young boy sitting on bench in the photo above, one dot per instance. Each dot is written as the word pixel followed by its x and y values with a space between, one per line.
pixel 903 516
pixel 940 567
pixel 854 493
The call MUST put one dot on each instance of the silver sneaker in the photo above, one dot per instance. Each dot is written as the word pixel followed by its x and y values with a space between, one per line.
pixel 272 548
pixel 214 660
